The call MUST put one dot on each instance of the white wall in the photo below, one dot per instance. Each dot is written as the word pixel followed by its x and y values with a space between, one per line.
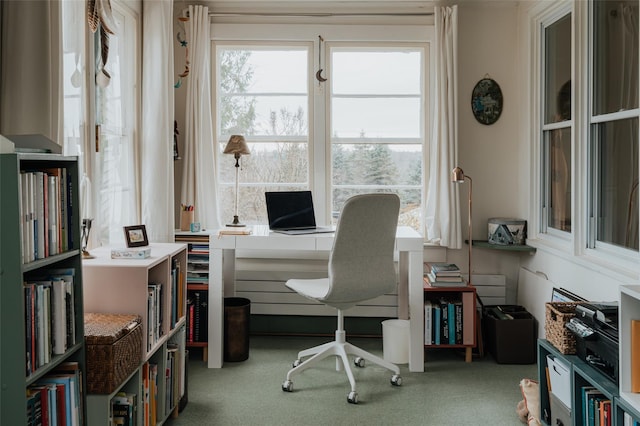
pixel 488 154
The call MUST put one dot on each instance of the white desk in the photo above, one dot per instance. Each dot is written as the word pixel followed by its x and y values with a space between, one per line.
pixel 409 245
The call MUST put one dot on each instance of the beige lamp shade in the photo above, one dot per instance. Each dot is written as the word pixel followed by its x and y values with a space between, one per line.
pixel 237 146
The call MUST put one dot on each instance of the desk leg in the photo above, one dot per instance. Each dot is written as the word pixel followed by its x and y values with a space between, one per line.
pixel 416 311
pixel 220 263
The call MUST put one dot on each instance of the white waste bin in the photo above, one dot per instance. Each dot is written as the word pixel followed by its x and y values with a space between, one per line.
pixel 395 341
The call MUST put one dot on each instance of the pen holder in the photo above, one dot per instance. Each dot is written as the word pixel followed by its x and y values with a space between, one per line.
pixel 186 219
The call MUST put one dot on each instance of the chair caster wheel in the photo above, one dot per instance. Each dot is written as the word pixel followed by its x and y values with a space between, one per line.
pixel 297 362
pixel 396 380
pixel 287 386
pixel 359 362
pixel 352 398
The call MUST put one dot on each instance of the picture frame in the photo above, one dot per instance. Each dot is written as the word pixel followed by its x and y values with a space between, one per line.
pixel 136 236
pixel 487 101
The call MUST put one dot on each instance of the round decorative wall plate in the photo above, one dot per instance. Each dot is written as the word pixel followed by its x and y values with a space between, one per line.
pixel 486 101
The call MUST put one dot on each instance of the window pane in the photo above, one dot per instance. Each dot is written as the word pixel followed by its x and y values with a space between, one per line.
pixel 410 209
pixel 376 72
pixel 558 71
pixel 251 202
pixel 558 144
pixel 266 115
pixel 377 101
pixel 615 55
pixel 262 90
pixel 268 163
pixel 376 118
pixel 115 106
pixel 262 93
pixel 617 207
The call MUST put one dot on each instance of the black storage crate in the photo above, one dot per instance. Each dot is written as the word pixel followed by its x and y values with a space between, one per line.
pixel 510 334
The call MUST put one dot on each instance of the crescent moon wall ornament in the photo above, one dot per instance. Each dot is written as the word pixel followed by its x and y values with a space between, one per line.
pixel 486 101
pixel 319 76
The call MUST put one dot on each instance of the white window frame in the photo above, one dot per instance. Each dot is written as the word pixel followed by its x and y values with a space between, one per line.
pixel 574 247
pixel 538 230
pixel 599 249
pixel 320 157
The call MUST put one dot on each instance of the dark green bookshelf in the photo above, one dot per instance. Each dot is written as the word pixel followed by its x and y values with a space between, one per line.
pixel 14 270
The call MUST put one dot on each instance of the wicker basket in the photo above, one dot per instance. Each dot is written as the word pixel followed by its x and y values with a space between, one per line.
pixel 113 349
pixel 557 315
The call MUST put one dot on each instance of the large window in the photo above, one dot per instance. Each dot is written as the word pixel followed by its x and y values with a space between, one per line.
pixel 614 125
pixel 361 131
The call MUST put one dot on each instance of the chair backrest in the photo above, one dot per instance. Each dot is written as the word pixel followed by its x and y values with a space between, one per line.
pixel 361 265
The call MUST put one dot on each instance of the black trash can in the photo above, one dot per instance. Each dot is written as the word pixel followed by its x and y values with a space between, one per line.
pixel 237 313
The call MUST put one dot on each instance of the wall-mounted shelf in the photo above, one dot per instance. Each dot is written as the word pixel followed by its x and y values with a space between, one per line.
pixel 515 248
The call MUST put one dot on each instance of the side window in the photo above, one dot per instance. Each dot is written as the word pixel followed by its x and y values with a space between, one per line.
pixel 556 127
pixel 613 124
pixel 107 165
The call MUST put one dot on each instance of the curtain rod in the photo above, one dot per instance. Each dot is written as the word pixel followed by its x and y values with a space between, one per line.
pixel 317 14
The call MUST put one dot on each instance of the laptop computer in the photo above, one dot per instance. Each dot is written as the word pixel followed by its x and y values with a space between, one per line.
pixel 291 212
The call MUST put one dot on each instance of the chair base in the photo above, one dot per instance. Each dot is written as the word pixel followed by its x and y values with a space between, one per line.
pixel 341 350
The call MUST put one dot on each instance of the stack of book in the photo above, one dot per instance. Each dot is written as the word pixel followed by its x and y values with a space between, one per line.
pixel 442 274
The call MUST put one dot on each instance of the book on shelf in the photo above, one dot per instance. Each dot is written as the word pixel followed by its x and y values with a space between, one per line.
pixel 123 409
pixel 635 355
pixel 442 268
pixel 433 281
pixel 197 325
pixel 428 323
pixel 446 322
pixel 45 217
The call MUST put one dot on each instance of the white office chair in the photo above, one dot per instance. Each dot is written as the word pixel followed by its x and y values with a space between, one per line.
pixel 361 267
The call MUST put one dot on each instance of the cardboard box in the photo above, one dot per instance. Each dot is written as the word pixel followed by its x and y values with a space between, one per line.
pixel 510 333
pixel 560 376
pixel 560 413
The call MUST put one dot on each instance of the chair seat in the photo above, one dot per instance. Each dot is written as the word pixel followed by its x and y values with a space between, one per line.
pixel 315 289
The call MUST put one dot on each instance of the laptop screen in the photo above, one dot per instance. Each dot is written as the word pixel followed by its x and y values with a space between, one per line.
pixel 290 210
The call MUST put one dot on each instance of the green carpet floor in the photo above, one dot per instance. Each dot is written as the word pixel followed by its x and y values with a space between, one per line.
pixel 449 392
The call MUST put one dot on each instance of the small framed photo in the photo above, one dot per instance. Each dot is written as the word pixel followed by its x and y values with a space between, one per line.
pixel 136 236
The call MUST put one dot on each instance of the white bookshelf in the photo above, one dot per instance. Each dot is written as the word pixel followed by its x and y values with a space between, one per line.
pixel 629 309
pixel 120 286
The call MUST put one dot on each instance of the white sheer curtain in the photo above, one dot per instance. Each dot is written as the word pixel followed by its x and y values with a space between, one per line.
pixel 199 183
pixel 442 224
pixel 156 162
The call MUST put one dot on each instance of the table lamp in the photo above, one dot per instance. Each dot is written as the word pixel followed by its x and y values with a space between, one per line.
pixel 238 147
pixel 458 176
